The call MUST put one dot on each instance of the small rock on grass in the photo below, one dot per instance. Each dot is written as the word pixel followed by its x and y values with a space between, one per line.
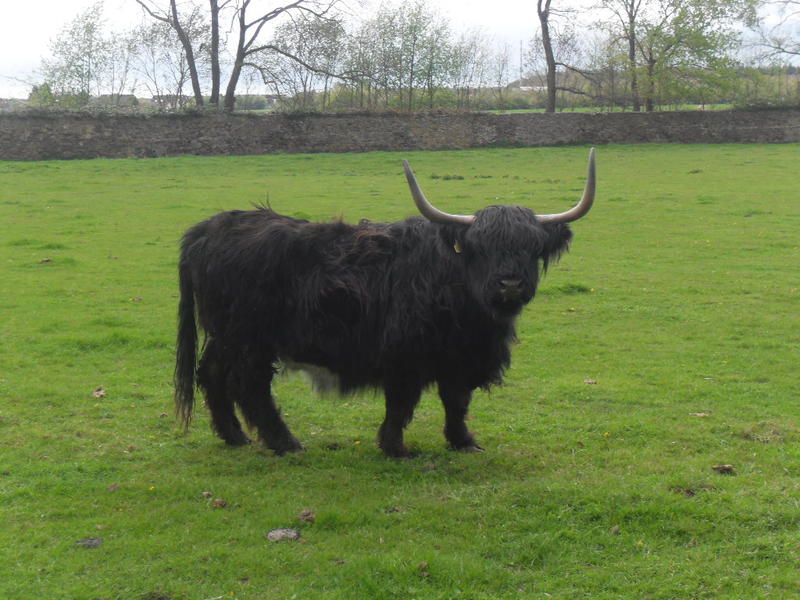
pixel 283 534
pixel 94 542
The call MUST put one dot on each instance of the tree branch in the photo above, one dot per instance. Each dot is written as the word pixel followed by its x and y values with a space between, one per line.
pixel 345 75
pixel 152 13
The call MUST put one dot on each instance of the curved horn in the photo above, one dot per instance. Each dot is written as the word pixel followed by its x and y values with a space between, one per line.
pixel 428 210
pixel 582 207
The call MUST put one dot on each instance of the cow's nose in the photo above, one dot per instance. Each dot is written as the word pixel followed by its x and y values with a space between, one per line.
pixel 511 288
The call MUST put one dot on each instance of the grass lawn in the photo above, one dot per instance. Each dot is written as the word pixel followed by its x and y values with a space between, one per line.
pixel 664 344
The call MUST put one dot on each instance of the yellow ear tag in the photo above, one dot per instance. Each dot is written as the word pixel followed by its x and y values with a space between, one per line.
pixel 457 247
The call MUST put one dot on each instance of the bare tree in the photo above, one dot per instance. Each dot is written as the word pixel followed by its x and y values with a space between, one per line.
pixel 122 51
pixel 778 31
pixel 249 20
pixel 559 47
pixel 160 60
pixel 501 69
pixel 302 56
pixel 177 22
pixel 469 66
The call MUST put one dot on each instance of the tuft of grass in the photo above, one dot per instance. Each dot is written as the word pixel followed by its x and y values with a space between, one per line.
pixel 664 344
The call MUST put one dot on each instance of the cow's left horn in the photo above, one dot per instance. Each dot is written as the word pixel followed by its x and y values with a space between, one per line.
pixel 582 207
pixel 428 210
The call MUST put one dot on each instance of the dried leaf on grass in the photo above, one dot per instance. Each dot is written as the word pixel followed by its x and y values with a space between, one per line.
pixel 307 516
pixel 724 469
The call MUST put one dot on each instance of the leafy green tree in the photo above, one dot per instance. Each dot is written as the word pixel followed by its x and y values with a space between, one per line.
pixel 689 40
pixel 673 41
pixel 302 57
pixel 625 24
pixel 403 49
pixel 41 95
pixel 79 57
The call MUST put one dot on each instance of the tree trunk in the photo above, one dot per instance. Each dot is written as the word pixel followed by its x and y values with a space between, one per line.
pixel 230 92
pixel 187 47
pixel 649 101
pixel 215 72
pixel 637 103
pixel 238 62
pixel 543 9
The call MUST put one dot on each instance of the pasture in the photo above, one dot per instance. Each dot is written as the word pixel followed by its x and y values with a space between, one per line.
pixel 665 343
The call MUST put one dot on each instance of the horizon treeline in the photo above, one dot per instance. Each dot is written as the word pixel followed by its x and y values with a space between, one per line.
pixel 313 55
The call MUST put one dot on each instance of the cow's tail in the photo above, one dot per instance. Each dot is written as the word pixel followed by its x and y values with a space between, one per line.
pixel 186 348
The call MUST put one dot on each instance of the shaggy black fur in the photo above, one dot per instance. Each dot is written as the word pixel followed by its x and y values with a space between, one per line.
pixel 395 306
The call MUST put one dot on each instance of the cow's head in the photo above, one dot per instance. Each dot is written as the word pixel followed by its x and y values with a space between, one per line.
pixel 505 247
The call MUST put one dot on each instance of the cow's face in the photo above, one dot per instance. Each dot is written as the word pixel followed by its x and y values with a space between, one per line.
pixel 504 247
pixel 504 250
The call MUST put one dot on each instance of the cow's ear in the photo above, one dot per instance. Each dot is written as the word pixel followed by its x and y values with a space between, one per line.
pixel 453 239
pixel 556 242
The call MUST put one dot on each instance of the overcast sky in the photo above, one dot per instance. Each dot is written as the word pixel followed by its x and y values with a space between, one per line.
pixel 26 29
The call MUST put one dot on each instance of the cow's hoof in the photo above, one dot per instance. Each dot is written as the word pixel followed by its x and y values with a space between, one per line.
pixel 470 448
pixel 238 440
pixel 290 445
pixel 401 451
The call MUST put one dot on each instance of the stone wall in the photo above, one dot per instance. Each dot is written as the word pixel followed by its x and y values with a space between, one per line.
pixel 36 136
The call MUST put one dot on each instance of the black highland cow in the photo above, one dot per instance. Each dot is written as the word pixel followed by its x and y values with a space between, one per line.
pixel 395 306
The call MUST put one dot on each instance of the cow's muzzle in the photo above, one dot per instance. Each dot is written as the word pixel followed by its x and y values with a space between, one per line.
pixel 511 290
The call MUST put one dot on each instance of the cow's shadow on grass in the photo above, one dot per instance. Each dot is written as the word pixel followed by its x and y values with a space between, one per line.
pixel 429 463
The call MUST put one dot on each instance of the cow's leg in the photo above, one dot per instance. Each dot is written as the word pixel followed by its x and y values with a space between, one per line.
pixel 213 376
pixel 258 407
pixel 401 399
pixel 456 401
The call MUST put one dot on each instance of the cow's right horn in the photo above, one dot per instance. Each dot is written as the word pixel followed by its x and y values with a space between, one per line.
pixel 582 207
pixel 428 210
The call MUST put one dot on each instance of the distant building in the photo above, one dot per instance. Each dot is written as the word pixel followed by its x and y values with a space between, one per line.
pixel 528 84
pixel 168 102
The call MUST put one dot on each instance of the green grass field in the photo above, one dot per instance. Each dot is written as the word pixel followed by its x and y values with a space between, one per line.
pixel 664 344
